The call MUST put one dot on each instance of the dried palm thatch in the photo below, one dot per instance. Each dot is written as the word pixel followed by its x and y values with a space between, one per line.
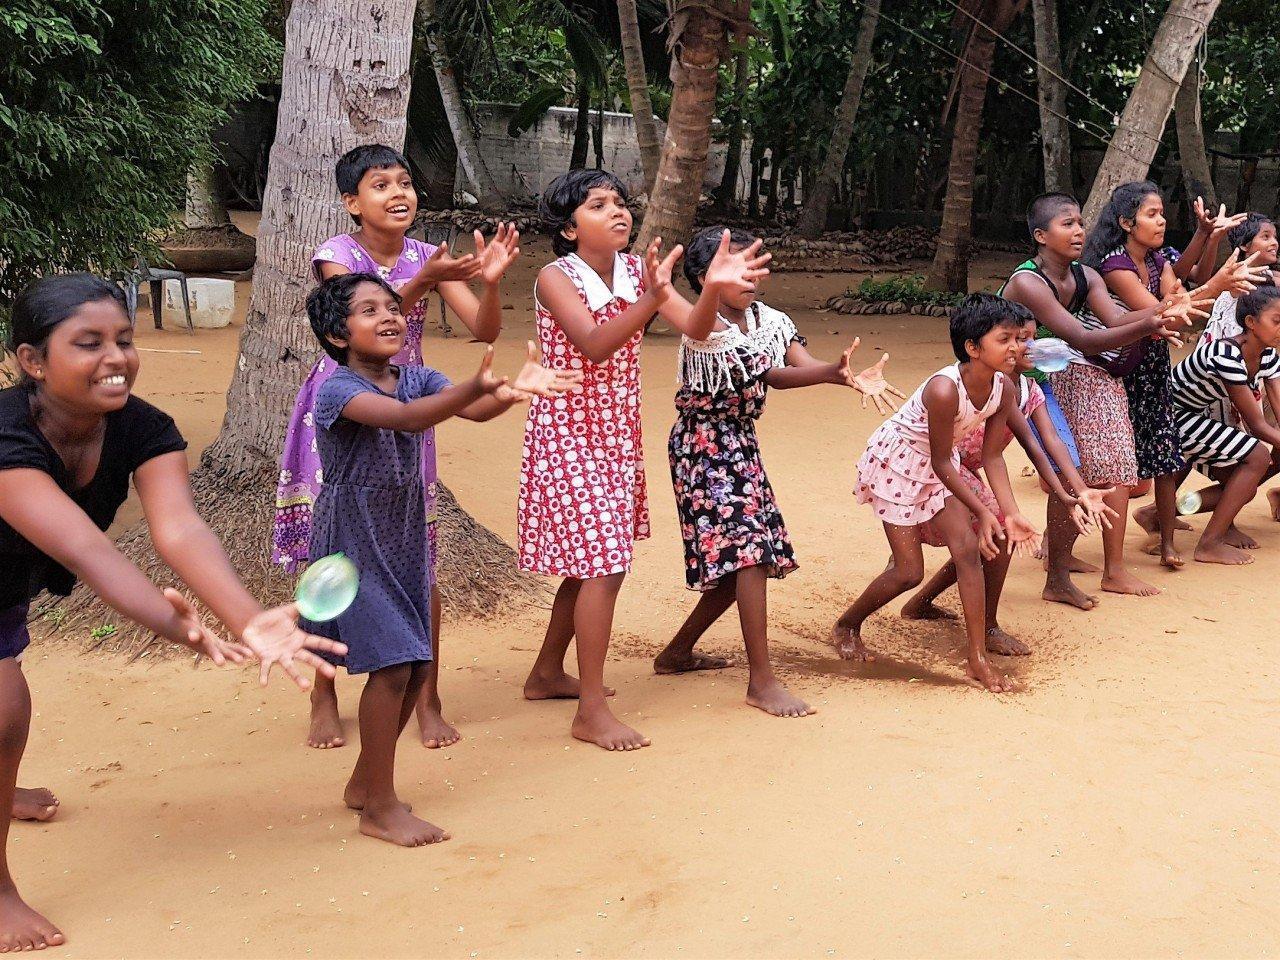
pixel 477 574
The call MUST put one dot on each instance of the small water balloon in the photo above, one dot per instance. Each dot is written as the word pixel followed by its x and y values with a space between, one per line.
pixel 327 588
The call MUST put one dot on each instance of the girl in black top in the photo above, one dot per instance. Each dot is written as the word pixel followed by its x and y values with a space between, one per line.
pixel 71 437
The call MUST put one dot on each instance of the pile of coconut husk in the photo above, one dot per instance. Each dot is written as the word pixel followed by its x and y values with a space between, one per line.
pixel 851 303
pixel 850 252
pixel 478 576
pixel 220 249
pixel 464 221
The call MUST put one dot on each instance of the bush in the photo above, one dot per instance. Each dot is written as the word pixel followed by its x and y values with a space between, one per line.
pixel 104 107
pixel 909 290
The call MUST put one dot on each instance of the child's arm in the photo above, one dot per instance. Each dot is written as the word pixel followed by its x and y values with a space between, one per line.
pixel 1251 411
pixel 533 380
pixel 1238 276
pixel 1272 387
pixel 804 370
pixel 1197 261
pixel 184 541
pixel 1124 328
pixel 1021 533
pixel 1090 500
pixel 942 401
pixel 483 315
pixel 388 413
pixel 726 271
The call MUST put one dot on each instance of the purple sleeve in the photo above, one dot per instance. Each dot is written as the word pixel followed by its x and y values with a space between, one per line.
pixel 1119 260
pixel 421 252
pixel 341 250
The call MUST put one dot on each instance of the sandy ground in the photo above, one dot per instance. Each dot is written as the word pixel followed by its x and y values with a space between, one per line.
pixel 1116 806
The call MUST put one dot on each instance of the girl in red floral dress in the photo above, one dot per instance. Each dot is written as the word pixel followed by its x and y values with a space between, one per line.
pixel 582 488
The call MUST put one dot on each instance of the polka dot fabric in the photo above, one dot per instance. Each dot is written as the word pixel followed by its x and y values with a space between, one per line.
pixel 582 486
pixel 895 474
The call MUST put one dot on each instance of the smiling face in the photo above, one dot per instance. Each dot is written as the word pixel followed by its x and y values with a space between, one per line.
pixel 1065 233
pixel 88 363
pixel 1026 335
pixel 1265 244
pixel 385 200
pixel 375 326
pixel 601 222
pixel 1148 224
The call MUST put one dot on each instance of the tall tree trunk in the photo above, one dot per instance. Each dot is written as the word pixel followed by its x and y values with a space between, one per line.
pixel 597 133
pixel 1055 134
pixel 813 218
pixel 638 86
pixel 1133 145
pixel 950 269
pixel 487 191
pixel 727 192
pixel 699 40
pixel 204 208
pixel 1197 177
pixel 581 128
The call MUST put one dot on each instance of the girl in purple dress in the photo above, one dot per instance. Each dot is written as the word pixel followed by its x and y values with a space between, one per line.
pixel 378 193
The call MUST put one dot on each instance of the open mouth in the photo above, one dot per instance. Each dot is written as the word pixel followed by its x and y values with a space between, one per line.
pixel 389 334
pixel 115 380
pixel 399 210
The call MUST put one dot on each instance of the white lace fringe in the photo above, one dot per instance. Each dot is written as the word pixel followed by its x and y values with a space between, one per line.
pixel 707 365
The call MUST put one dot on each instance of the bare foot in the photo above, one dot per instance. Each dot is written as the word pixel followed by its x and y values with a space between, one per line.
pixel 1126 582
pixel 21 928
pixel 985 675
pixel 1004 644
pixel 1068 593
pixel 1221 552
pixel 1075 565
pixel 669 662
pixel 563 687
pixel 435 731
pixel 605 730
pixel 34 803
pixel 925 610
pixel 1273 498
pixel 1146 518
pixel 775 699
pixel 1171 558
pixel 849 645
pixel 355 794
pixel 326 725
pixel 393 823
pixel 1237 538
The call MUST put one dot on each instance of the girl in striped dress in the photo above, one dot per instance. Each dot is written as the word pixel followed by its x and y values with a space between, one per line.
pixel 1217 377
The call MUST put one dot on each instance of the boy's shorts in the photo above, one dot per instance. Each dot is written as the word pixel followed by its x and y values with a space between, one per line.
pixel 1060 424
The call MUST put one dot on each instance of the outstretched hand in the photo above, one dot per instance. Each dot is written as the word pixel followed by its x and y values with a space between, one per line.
pixel 535 380
pixel 1021 537
pixel 274 637
pixel 200 638
pixel 870 382
pixel 1238 276
pixel 1177 311
pixel 498 254
pixel 1091 510
pixel 486 379
pixel 738 270
pixel 443 265
pixel 1216 225
pixel 657 273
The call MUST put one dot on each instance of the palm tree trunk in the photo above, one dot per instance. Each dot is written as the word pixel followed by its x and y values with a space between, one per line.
pixel 813 218
pixel 1133 145
pixel 950 269
pixel 727 192
pixel 204 208
pixel 699 40
pixel 638 85
pixel 473 166
pixel 1197 176
pixel 1055 134
pixel 581 128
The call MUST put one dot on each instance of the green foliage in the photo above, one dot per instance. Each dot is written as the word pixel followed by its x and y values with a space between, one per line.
pixel 104 106
pixel 909 290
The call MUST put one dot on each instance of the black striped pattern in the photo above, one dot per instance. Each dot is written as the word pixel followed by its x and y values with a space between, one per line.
pixel 1202 406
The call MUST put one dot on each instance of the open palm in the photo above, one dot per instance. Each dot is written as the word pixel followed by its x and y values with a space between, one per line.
pixel 498 254
pixel 870 382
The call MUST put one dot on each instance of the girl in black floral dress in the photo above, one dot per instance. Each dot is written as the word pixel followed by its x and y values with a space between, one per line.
pixel 734 535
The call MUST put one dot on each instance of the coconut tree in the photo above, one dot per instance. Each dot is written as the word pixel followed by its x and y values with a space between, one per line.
pixel 984 19
pixel 1133 146
pixel 346 82
pixel 638 85
pixel 699 40
pixel 1051 93
pixel 813 217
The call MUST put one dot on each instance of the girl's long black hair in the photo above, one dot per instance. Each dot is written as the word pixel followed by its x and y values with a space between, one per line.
pixel 1107 234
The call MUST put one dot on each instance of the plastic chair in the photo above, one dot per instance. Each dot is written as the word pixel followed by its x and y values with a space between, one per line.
pixel 155 277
